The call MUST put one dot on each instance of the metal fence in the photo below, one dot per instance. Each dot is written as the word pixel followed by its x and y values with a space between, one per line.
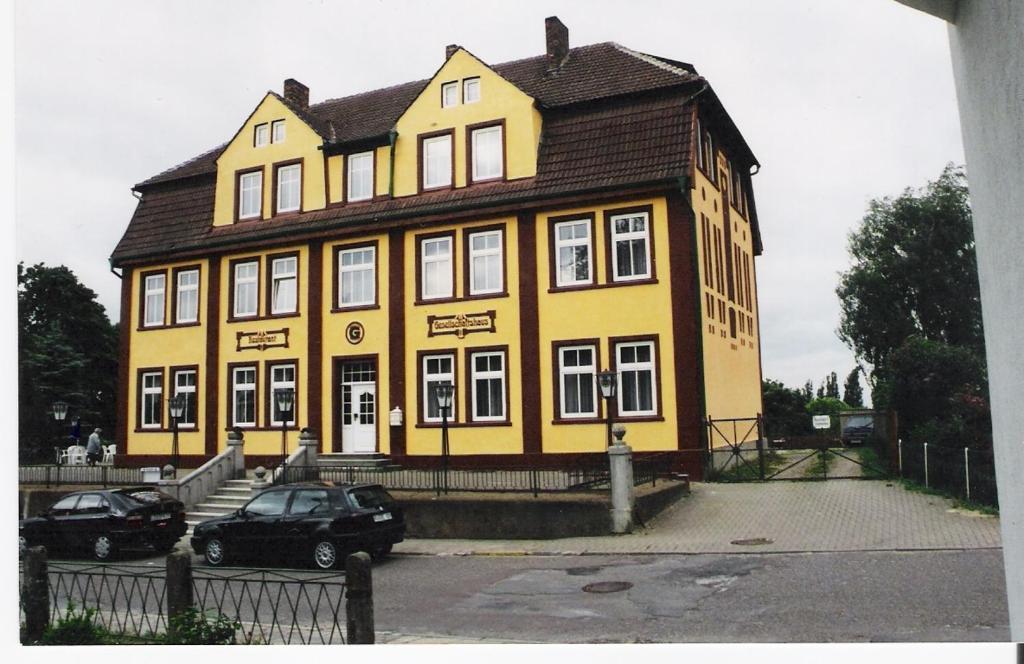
pixel 961 471
pixel 272 607
pixel 52 475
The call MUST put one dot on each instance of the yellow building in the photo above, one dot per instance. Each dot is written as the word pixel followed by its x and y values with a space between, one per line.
pixel 513 229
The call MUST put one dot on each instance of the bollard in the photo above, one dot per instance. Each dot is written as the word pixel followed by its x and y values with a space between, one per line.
pixel 967 473
pixel 178 586
pixel 35 595
pixel 620 462
pixel 926 464
pixel 359 598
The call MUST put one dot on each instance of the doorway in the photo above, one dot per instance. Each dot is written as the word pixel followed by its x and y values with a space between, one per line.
pixel 356 406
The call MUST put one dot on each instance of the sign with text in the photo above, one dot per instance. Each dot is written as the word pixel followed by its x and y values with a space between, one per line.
pixel 821 421
pixel 262 339
pixel 461 324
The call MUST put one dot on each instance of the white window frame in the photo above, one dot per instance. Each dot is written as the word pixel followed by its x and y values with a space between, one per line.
pixel 149 392
pixel 189 289
pixel 280 383
pixel 240 281
pixel 155 298
pixel 574 242
pixel 629 236
pixel 440 377
pixel 351 195
pixel 294 184
pixel 469 84
pixel 354 268
pixel 449 88
pixel 488 375
pixel 648 366
pixel 477 175
pixel 277 131
pixel 277 278
pixel 189 391
pixel 255 182
pixel 484 254
pixel 236 389
pixel 444 260
pixel 564 371
pixel 261 135
pixel 443 175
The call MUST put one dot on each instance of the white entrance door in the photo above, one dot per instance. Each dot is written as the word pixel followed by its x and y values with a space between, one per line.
pixel 358 408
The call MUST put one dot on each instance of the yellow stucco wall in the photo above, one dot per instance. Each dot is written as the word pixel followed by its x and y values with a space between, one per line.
pixel 602 313
pixel 300 142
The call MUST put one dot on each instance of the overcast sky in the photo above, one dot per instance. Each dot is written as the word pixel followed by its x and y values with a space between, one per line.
pixel 841 102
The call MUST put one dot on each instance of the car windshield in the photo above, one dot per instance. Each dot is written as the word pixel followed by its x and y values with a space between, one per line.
pixel 144 496
pixel 370 496
pixel 859 421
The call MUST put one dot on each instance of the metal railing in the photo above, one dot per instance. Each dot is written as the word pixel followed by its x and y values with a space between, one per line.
pixel 204 480
pixel 647 470
pixel 52 475
pixel 960 471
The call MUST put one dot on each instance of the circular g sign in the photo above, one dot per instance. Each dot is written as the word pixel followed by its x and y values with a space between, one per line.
pixel 354 333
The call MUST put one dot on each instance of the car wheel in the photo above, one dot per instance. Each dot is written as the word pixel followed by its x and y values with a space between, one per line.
pixel 214 552
pixel 325 554
pixel 103 547
pixel 382 551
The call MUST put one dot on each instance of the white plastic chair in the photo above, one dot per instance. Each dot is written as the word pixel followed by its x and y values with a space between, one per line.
pixel 76 455
pixel 108 454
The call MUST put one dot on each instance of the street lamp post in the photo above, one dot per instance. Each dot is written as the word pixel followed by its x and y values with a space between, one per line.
pixel 444 394
pixel 608 381
pixel 176 406
pixel 60 411
pixel 285 398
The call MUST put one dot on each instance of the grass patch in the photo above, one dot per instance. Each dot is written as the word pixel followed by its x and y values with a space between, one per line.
pixel 958 503
pixel 820 465
pixel 738 471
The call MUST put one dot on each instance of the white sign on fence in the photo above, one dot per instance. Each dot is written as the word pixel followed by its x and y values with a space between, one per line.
pixel 821 421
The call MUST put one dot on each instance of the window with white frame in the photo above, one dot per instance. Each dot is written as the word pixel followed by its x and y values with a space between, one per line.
pixel 631 246
pixel 246 287
pixel 436 267
pixel 185 385
pixel 250 194
pixel 485 257
pixel 186 309
pixel 573 252
pixel 577 366
pixel 289 188
pixel 470 90
pixel 487 375
pixel 152 399
pixel 487 153
pixel 282 377
pixel 357 279
pixel 156 286
pixel 243 396
pixel 637 385
pixel 360 177
pixel 437 161
pixel 284 285
pixel 278 131
pixel 437 369
pixel 262 135
pixel 449 94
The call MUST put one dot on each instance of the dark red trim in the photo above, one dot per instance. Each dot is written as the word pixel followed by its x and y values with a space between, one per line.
pixel 230 403
pixel 608 248
pixel 420 159
pixel 238 193
pixel 268 306
pixel 396 337
pixel 336 250
pixel 553 286
pixel 213 318
pixel 418 239
pixel 529 334
pixel 421 397
pixel 174 294
pixel 138 398
pixel 268 375
pixel 231 288
pixel 315 334
pixel 613 343
pixel 469 151
pixel 172 385
pixel 124 359
pixel 345 176
pixel 337 362
pixel 142 327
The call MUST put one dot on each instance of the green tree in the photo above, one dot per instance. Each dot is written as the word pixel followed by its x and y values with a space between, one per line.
pixel 852 392
pixel 831 386
pixel 785 410
pixel 826 406
pixel 67 350
pixel 808 390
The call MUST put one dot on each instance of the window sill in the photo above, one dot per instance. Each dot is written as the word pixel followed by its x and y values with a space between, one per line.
pixel 440 187
pixel 639 418
pixel 181 429
pixel 613 284
pixel 172 326
pixel 244 428
pixel 355 307
pixel 579 420
pixel 462 425
pixel 256 319
pixel 468 298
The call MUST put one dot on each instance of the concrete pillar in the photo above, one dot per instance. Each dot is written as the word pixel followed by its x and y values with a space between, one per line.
pixel 309 442
pixel 620 461
pixel 359 598
pixel 261 482
pixel 35 593
pixel 178 587
pixel 236 442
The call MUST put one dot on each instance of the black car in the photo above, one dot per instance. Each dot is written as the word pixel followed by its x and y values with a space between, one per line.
pixel 315 523
pixel 103 522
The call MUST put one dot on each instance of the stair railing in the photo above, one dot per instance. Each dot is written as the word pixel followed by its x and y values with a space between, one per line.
pixel 206 479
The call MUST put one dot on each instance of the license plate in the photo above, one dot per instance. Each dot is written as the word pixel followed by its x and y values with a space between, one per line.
pixel 160 517
pixel 386 516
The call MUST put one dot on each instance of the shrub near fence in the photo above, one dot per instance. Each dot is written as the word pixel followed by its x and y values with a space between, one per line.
pixel 960 471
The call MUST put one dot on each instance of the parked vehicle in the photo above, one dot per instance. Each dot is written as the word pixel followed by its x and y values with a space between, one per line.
pixel 103 522
pixel 857 429
pixel 312 523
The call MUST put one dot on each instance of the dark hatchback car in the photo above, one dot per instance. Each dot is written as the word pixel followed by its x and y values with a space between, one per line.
pixel 103 522
pixel 314 523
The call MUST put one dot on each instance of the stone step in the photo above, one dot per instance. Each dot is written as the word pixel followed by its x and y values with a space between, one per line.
pixel 238 483
pixel 224 508
pixel 375 460
pixel 230 498
pixel 237 490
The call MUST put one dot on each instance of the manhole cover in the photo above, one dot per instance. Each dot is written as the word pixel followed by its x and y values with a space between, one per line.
pixel 607 587
pixel 753 541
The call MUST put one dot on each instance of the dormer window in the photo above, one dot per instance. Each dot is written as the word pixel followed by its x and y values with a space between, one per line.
pixel 289 188
pixel 360 177
pixel 250 194
pixel 470 90
pixel 436 153
pixel 262 135
pixel 278 131
pixel 449 94
pixel 487 154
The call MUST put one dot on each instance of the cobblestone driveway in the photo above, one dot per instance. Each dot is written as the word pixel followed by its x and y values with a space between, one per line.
pixel 838 515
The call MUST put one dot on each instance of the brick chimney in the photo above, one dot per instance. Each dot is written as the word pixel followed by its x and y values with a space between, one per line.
pixel 557 37
pixel 450 49
pixel 296 93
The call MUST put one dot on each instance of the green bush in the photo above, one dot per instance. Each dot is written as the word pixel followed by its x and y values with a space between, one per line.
pixel 193 627
pixel 75 629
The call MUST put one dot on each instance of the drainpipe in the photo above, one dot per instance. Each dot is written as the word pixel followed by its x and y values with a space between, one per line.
pixel 392 139
pixel 111 262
